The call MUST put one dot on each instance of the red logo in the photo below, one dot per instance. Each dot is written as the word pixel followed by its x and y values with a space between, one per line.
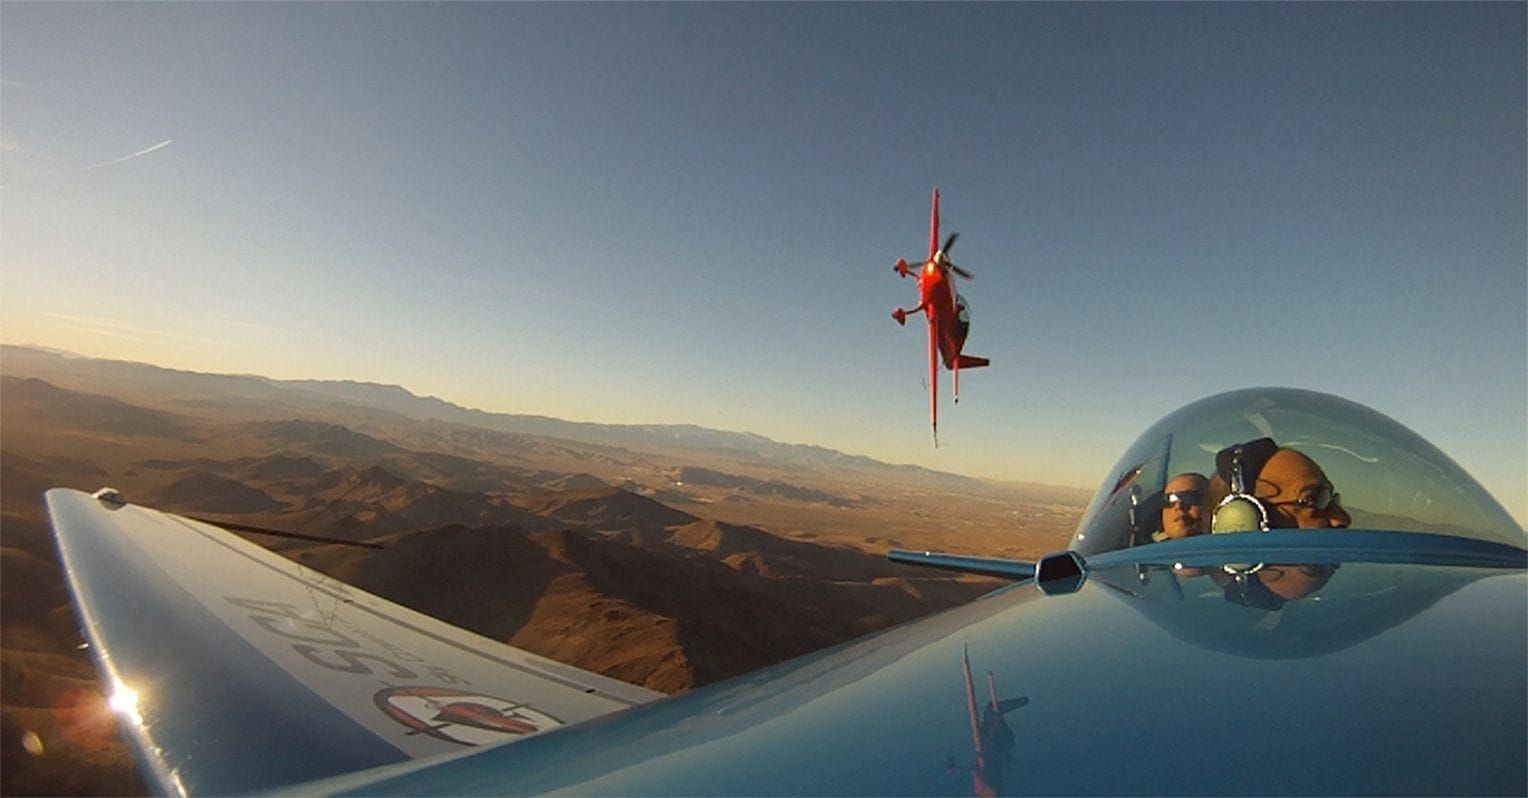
pixel 461 717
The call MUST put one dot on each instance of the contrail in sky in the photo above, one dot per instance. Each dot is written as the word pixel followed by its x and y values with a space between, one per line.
pixel 144 151
pixel 112 328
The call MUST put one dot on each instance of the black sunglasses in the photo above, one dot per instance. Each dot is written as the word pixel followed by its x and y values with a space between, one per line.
pixel 1192 497
pixel 1321 501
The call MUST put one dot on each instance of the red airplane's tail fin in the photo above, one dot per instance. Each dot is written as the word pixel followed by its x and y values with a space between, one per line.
pixel 933 378
pixel 971 362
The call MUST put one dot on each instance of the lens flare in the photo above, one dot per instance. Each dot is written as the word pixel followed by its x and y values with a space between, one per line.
pixel 124 701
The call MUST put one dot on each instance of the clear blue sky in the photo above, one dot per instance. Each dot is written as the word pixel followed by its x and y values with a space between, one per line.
pixel 688 213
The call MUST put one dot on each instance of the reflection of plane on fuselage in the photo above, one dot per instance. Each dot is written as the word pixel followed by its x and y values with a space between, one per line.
pixel 991 734
pixel 949 317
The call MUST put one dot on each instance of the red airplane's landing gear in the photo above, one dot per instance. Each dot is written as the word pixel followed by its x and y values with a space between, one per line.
pixel 900 315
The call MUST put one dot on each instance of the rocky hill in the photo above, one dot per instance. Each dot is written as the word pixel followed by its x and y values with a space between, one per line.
pixel 641 565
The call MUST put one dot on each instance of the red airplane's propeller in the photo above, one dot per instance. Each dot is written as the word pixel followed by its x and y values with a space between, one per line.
pixel 949 264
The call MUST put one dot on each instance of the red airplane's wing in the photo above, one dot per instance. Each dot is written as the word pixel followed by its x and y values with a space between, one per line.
pixel 933 228
pixel 933 325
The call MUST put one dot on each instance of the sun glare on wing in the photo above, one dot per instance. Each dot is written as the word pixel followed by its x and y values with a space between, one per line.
pixel 124 701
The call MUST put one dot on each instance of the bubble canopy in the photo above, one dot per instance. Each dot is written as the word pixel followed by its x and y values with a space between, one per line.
pixel 1311 461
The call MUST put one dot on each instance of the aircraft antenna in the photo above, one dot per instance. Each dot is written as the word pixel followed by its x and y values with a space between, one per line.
pixel 258 530
pixel 297 533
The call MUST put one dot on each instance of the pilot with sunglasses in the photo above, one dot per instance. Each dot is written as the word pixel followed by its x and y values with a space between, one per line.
pixel 1292 490
pixel 1298 495
pixel 1294 493
pixel 1183 513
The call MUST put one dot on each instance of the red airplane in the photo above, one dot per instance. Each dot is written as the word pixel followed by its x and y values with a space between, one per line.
pixel 948 318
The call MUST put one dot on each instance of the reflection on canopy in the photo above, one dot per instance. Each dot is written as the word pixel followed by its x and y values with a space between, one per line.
pixel 1213 610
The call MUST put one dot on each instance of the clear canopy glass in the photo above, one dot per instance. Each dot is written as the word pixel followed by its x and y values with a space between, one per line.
pixel 1309 459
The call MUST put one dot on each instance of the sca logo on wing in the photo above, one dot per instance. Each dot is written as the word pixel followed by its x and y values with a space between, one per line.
pixel 461 717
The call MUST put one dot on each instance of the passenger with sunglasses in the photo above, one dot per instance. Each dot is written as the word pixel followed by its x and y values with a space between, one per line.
pixel 1183 513
pixel 1289 487
pixel 1295 494
pixel 1298 495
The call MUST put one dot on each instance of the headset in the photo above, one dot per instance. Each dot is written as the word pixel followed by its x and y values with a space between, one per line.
pixel 1240 511
pixel 1239 466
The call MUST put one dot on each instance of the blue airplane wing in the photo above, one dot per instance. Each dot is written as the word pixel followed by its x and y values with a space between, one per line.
pixel 236 670
pixel 1405 674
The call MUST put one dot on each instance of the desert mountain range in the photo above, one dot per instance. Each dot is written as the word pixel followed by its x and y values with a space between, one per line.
pixel 668 556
